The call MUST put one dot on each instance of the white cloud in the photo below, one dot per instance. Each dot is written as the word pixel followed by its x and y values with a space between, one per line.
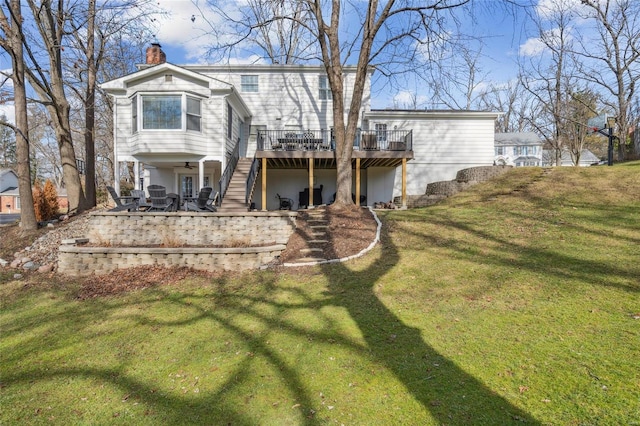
pixel 532 47
pixel 187 27
pixel 409 99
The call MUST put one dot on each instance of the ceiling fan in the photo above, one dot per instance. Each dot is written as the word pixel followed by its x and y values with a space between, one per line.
pixel 187 166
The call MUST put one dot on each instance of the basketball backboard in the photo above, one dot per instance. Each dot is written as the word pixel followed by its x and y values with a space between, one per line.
pixel 598 123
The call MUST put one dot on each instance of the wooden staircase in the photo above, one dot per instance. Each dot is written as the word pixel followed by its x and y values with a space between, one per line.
pixel 234 199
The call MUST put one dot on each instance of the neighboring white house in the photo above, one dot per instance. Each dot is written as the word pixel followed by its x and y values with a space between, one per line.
pixel 185 127
pixel 518 149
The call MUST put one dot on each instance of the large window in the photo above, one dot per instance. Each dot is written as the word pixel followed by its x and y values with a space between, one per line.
pixel 166 112
pixel 325 90
pixel 249 83
pixel 526 150
pixel 162 112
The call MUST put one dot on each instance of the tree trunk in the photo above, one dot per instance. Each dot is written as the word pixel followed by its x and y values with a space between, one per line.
pixel 14 47
pixel 90 101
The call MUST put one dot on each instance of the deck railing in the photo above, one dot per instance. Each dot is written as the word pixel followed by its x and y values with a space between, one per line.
pixel 324 140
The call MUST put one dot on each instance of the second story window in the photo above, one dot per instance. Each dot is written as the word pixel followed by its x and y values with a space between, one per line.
pixel 325 90
pixel 162 112
pixel 249 83
pixel 166 112
pixel 134 114
pixel 193 113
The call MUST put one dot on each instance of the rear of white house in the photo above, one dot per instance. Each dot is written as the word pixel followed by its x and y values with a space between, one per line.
pixel 185 127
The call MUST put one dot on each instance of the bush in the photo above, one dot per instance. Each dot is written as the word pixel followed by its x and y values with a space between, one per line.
pixel 45 200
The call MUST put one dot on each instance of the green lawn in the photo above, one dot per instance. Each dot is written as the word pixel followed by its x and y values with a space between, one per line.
pixel 515 302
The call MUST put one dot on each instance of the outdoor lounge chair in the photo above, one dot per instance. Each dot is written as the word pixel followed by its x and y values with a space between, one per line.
pixel 285 203
pixel 159 200
pixel 212 201
pixel 141 197
pixel 200 203
pixel 122 203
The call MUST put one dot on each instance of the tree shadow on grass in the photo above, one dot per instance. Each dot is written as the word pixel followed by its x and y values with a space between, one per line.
pixel 451 395
pixel 445 391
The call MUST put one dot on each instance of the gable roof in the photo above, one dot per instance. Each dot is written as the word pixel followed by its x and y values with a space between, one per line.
pixel 120 85
pixel 6 171
pixel 517 138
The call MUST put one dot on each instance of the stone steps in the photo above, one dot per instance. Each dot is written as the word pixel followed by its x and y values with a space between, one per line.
pixel 318 236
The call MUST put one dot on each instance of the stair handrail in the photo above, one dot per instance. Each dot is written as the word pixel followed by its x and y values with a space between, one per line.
pixel 228 171
pixel 251 180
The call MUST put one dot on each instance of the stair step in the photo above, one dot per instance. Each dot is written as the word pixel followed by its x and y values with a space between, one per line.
pixel 311 250
pixel 318 241
pixel 309 259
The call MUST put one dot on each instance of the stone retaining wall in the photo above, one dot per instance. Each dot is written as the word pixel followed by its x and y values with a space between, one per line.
pixel 191 229
pixel 481 174
pixel 465 178
pixel 204 241
pixel 83 261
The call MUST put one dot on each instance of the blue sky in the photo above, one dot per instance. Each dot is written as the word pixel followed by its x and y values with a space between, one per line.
pixel 502 32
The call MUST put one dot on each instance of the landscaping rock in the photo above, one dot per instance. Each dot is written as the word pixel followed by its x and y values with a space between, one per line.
pixel 17 276
pixel 3 262
pixel 46 268
pixel 30 266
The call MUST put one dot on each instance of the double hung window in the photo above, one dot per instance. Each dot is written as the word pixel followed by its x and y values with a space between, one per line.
pixel 249 83
pixel 325 90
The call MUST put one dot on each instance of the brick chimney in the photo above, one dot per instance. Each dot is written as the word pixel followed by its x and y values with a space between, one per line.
pixel 155 55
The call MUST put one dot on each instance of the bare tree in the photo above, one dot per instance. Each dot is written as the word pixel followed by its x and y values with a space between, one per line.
pixel 390 35
pixel 515 104
pixel 45 75
pixel 581 107
pixel 549 75
pixel 11 41
pixel 457 75
pixel 90 30
pixel 612 60
pixel 272 29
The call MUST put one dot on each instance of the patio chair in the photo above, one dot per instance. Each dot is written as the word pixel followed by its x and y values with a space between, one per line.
pixel 122 203
pixel 159 200
pixel 285 203
pixel 141 197
pixel 201 202
pixel 212 202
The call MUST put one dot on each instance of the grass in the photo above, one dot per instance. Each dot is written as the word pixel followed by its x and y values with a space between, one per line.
pixel 514 302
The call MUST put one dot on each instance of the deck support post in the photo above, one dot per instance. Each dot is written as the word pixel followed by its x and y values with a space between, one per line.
pixel 136 176
pixel 264 184
pixel 310 160
pixel 357 182
pixel 404 183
